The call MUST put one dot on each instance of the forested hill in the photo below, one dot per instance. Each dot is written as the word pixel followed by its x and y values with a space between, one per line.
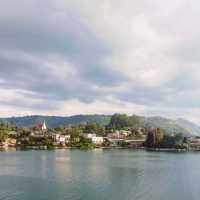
pixel 169 125
pixel 55 121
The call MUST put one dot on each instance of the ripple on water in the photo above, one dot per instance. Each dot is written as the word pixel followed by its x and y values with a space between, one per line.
pixel 11 194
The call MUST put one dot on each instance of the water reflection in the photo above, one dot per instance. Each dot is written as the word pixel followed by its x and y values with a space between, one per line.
pixel 101 175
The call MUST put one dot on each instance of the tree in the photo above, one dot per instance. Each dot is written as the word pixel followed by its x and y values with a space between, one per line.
pixel 3 136
pixel 94 128
pixel 155 138
pixel 75 132
pixel 119 121
pixel 159 136
pixel 122 121
pixel 4 130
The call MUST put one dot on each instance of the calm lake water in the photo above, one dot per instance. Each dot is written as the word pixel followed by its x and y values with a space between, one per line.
pixel 99 175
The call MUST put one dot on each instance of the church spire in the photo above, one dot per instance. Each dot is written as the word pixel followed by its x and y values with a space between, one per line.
pixel 44 127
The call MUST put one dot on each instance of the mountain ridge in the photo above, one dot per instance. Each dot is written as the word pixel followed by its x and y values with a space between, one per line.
pixel 169 125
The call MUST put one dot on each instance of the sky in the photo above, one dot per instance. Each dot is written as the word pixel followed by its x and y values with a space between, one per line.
pixel 110 56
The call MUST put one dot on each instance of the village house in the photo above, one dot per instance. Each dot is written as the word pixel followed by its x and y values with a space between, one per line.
pixel 11 142
pixel 89 135
pixel 117 135
pixel 98 140
pixel 194 143
pixel 124 133
pixel 60 138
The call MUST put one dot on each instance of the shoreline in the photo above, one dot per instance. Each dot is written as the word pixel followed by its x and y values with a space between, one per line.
pixel 167 150
pixel 38 148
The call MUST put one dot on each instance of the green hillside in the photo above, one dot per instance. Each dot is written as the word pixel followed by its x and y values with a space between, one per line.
pixel 169 125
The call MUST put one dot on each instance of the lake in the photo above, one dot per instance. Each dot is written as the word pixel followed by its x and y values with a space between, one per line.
pixel 99 175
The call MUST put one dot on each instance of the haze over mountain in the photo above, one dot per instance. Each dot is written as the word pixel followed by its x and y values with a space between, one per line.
pixel 169 125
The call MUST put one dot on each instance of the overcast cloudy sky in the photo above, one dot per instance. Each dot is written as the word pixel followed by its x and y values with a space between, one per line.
pixel 64 57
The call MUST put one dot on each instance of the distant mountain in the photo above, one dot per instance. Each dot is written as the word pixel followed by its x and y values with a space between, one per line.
pixel 169 125
pixel 189 126
pixel 55 121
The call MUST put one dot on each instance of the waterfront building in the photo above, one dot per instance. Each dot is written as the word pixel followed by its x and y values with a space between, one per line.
pixel 11 142
pixel 98 140
pixel 116 135
pixel 135 143
pixel 194 143
pixel 61 139
pixel 89 135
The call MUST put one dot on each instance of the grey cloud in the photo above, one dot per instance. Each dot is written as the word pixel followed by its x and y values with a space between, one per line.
pixel 35 31
pixel 27 104
pixel 44 36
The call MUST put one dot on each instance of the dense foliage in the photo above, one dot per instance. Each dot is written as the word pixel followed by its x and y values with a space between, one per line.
pixel 121 121
pixel 83 144
pixel 157 138
pixel 5 128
